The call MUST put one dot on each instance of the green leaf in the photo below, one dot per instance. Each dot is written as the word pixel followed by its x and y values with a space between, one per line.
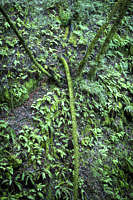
pixel 3 124
pixel 40 195
pixel 31 197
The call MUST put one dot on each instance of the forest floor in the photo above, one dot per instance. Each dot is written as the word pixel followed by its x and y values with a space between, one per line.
pixel 40 165
pixel 22 115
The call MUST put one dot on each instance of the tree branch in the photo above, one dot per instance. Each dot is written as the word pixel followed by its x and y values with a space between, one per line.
pixel 74 128
pixel 23 43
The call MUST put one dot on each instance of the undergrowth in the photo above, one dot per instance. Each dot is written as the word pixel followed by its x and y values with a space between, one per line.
pixel 37 161
pixel 42 157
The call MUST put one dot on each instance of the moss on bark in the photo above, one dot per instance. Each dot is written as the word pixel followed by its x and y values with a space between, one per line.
pixel 122 11
pixel 23 43
pixel 96 38
pixel 74 128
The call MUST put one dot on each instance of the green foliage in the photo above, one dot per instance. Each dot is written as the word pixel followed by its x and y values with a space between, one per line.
pixel 36 161
pixel 106 135
pixel 36 153
pixel 14 94
pixel 8 162
pixel 30 84
pixel 34 158
pixel 65 16
pixel 114 171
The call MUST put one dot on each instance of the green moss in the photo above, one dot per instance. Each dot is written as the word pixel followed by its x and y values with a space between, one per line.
pixel 74 128
pixel 100 32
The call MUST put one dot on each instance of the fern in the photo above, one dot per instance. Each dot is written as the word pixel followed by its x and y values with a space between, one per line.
pixel 129 109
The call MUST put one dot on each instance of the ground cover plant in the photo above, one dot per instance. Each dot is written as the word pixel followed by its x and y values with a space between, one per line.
pixel 65 136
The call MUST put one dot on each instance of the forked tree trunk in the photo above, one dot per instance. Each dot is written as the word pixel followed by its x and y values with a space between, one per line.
pixel 122 11
pixel 116 7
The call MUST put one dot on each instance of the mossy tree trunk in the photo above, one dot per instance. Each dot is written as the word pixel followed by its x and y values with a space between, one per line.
pixel 90 47
pixel 12 25
pixel 74 128
pixel 122 11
